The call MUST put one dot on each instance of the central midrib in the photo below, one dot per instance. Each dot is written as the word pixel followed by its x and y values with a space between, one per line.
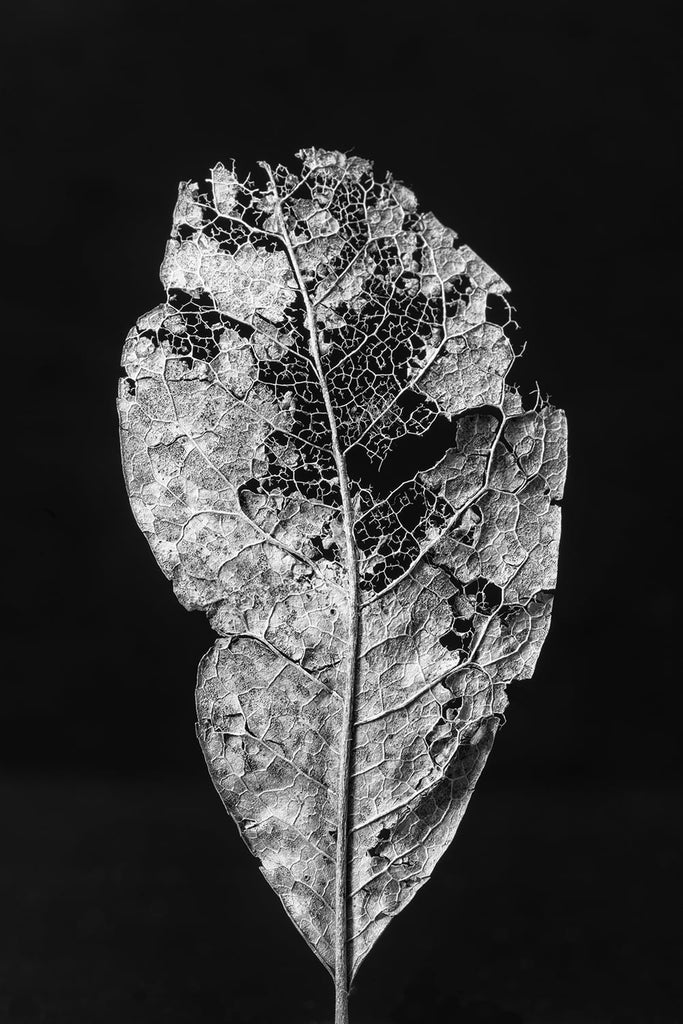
pixel 341 958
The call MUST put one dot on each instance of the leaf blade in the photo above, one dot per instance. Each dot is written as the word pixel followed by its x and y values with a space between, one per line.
pixel 313 327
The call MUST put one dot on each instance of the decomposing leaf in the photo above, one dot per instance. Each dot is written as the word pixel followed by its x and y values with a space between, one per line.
pixel 322 448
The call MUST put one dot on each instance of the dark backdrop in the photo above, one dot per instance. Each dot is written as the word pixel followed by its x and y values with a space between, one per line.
pixel 546 134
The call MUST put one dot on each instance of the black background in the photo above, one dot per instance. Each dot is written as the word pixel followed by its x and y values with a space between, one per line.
pixel 546 134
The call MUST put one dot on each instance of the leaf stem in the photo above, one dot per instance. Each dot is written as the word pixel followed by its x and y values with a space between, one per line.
pixel 341 938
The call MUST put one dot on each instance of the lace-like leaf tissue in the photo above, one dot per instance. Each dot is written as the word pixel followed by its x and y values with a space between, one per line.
pixel 322 449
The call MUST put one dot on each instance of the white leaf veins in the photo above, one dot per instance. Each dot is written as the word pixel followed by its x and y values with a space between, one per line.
pixel 321 447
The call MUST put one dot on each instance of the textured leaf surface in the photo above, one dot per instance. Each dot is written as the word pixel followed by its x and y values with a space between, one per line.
pixel 323 451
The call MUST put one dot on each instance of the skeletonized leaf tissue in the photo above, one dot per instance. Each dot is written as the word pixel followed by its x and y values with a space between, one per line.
pixel 324 452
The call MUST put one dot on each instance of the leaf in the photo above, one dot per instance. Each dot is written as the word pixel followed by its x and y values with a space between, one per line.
pixel 323 451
